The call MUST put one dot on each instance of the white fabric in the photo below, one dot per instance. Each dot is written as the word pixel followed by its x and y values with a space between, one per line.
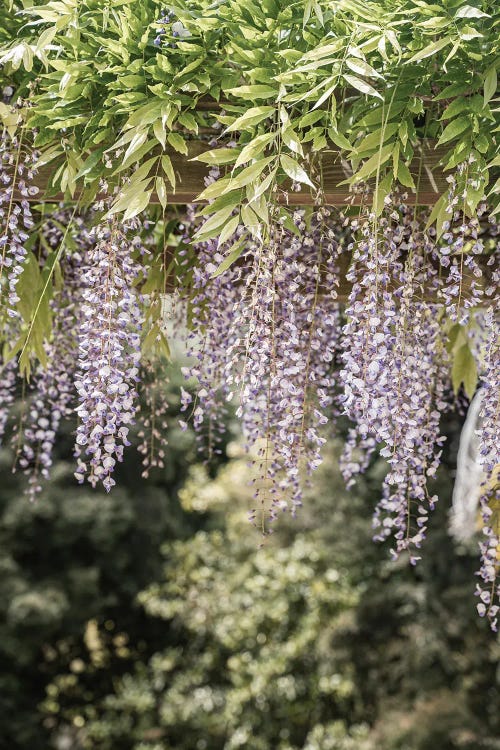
pixel 470 476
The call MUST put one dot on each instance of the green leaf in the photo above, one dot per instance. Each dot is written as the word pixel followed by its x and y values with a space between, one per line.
pixel 229 229
pixel 310 118
pixel 294 170
pixel 161 191
pixel 178 143
pixel 234 253
pixel 291 139
pixel 490 84
pixel 325 95
pixel 404 176
pixel 135 144
pixel 439 214
pixel 362 86
pixel 166 164
pixel 362 68
pixel 138 203
pixel 455 108
pixel 403 132
pixel 249 174
pixel 254 148
pixel 142 172
pixel 28 284
pixel 250 218
pixel 338 139
pixel 92 161
pixel 324 50
pixel 457 336
pixel 464 371
pixel 376 138
pixel 467 11
pixel 256 91
pixel 232 198
pixel 454 129
pixel 217 156
pixel 211 226
pixel 189 121
pixel 215 190
pixel 260 189
pixel 371 165
pixel 431 49
pixel 136 156
pixel 160 133
pixel 382 190
pixel 251 117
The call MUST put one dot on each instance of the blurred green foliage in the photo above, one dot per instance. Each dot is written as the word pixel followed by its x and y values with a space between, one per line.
pixel 150 619
pixel 80 556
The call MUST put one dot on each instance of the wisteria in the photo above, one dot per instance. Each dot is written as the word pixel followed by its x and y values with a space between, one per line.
pixel 153 420
pixel 109 355
pixel 460 246
pixel 8 374
pixel 53 386
pixel 338 314
pixel 16 172
pixel 269 341
pixel 17 169
pixel 489 458
pixel 395 373
pixel 212 308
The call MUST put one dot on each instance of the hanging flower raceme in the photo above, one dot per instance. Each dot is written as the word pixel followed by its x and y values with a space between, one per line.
pixel 368 336
pixel 396 370
pixel 109 354
pixel 459 246
pixel 153 419
pixel 489 457
pixel 413 446
pixel 209 341
pixel 8 373
pixel 307 339
pixel 17 170
pixel 52 402
pixel 270 336
pixel 53 385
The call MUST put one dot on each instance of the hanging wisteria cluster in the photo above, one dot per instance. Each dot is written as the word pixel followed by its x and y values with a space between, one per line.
pixel 348 313
pixel 273 333
pixel 109 354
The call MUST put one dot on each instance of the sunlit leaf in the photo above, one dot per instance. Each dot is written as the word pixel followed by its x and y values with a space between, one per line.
pixel 362 86
pixel 293 169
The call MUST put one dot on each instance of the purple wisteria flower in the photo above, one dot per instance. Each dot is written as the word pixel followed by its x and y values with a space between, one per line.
pixel 153 419
pixel 264 335
pixel 395 370
pixel 459 247
pixel 17 170
pixel 209 341
pixel 53 386
pixel 489 457
pixel 109 354
pixel 8 372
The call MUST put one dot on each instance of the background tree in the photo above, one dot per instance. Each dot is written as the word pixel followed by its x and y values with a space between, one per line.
pixel 315 641
pixel 74 561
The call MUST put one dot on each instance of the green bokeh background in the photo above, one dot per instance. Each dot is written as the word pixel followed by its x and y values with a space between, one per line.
pixel 150 618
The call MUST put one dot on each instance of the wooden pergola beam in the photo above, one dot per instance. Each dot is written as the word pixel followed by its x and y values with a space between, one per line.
pixel 427 173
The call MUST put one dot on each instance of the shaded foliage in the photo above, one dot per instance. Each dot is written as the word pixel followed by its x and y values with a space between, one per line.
pixel 78 556
pixel 311 642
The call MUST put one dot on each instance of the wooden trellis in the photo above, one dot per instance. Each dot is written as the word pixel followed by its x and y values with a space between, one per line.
pixel 427 173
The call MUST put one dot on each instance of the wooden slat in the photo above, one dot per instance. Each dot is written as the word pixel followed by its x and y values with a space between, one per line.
pixel 191 176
